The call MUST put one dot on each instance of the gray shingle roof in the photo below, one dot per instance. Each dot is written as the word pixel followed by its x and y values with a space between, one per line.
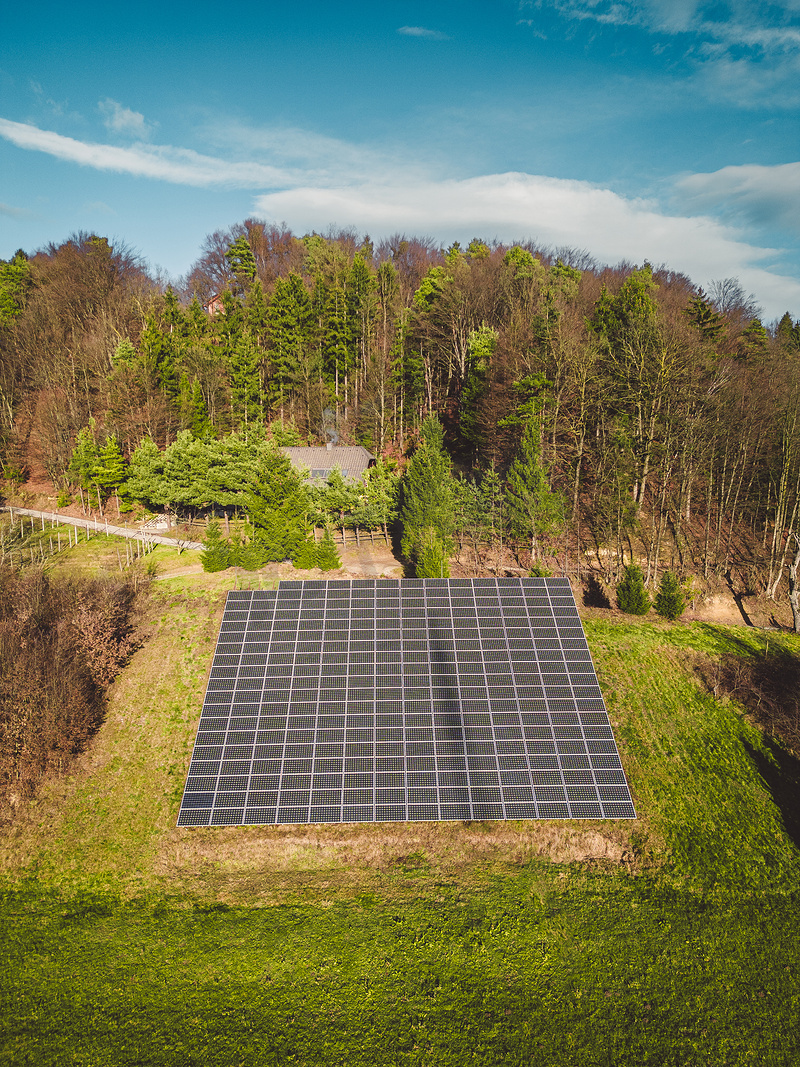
pixel 352 460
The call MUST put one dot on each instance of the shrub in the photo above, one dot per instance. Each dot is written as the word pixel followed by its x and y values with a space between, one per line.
pixel 538 570
pixel 61 644
pixel 669 601
pixel 631 594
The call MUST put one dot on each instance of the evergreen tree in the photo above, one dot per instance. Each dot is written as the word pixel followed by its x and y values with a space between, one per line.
pixel 199 423
pixel 632 596
pixel 377 506
pixel 145 473
pixel 241 263
pixel 216 552
pixel 244 361
pixel 84 459
pixel 124 353
pixel 327 553
pixel 337 339
pixel 480 349
pixel 305 555
pixel 289 335
pixel 185 401
pixel 534 510
pixel 278 507
pixel 15 280
pixel 158 358
pixel 428 495
pixel 361 309
pixel 185 481
pixel 704 318
pixel 433 558
pixel 110 471
pixel 669 601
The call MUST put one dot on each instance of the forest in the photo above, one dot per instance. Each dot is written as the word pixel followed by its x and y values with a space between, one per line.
pixel 517 398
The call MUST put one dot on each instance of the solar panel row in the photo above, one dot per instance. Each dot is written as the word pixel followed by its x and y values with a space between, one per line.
pixel 413 700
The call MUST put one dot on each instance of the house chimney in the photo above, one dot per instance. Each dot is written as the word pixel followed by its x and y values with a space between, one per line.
pixel 329 445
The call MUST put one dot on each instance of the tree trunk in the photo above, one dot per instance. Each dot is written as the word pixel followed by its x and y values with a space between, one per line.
pixel 794 592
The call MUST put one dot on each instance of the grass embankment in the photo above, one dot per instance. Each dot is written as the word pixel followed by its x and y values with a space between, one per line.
pixel 670 940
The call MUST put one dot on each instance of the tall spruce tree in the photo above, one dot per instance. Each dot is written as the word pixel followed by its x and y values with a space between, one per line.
pixel 278 508
pixel 535 511
pixel 428 494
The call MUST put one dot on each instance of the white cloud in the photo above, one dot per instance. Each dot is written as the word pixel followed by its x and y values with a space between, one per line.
pixel 119 119
pixel 551 211
pixel 421 31
pixel 325 181
pixel 179 165
pixel 766 196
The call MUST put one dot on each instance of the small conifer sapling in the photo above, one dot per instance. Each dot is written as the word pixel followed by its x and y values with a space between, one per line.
pixel 631 594
pixel 669 602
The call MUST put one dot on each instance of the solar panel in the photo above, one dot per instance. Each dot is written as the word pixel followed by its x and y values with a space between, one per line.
pixel 420 699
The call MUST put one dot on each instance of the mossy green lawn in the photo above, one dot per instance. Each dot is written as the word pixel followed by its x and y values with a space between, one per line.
pixel 597 971
pixel 672 939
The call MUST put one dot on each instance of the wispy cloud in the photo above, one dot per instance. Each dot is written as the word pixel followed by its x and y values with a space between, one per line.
pixel 99 207
pixel 15 212
pixel 765 196
pixel 741 50
pixel 422 31
pixel 551 211
pixel 119 119
pixel 164 162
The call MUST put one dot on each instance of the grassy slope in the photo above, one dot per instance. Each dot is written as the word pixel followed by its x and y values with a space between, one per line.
pixel 672 939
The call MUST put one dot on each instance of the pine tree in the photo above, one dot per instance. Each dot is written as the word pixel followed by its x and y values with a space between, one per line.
pixel 534 510
pixel 305 555
pixel 669 602
pixel 632 596
pixel 241 263
pixel 278 507
pixel 83 462
pixel 145 474
pixel 480 349
pixel 428 497
pixel 327 553
pixel 244 360
pixel 124 353
pixel 110 471
pixel 289 335
pixel 433 559
pixel 199 424
pixel 216 553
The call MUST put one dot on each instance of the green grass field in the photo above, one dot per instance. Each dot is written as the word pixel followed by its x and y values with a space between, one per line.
pixel 672 939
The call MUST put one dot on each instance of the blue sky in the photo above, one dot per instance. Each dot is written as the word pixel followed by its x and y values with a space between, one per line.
pixel 667 130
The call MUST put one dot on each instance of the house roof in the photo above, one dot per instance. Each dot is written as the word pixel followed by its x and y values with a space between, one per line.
pixel 352 460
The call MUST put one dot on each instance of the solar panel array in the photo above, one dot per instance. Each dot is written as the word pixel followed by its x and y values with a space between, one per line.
pixel 421 699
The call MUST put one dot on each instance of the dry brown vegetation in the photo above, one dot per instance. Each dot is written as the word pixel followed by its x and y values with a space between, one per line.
pixel 61 644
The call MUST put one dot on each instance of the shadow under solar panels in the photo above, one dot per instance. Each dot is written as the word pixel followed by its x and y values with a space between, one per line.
pixel 411 700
